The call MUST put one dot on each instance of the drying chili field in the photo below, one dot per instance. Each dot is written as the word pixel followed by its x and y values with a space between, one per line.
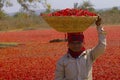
pixel 35 57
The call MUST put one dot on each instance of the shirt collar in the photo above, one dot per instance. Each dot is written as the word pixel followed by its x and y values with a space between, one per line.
pixel 82 54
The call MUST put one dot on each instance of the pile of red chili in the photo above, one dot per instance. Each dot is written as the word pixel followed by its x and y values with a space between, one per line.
pixel 71 12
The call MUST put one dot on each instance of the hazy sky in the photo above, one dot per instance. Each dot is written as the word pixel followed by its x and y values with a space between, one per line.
pixel 60 4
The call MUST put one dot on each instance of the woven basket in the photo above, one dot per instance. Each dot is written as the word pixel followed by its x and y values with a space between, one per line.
pixel 70 23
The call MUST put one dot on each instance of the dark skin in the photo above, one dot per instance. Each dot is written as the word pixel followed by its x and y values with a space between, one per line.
pixel 76 46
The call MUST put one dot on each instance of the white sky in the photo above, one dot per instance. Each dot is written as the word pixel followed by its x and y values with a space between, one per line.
pixel 60 4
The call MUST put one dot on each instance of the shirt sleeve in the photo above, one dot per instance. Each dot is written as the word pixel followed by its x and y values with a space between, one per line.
pixel 101 46
pixel 59 72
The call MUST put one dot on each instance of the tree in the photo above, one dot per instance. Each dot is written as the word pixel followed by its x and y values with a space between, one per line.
pixel 76 5
pixel 115 10
pixel 26 4
pixel 46 6
pixel 6 3
pixel 86 5
pixel 3 3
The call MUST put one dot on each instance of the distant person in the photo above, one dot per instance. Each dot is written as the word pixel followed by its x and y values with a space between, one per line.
pixel 77 63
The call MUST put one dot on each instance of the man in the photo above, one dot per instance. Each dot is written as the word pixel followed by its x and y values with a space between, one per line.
pixel 77 63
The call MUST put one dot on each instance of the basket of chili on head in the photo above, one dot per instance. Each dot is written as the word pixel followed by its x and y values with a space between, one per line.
pixel 70 20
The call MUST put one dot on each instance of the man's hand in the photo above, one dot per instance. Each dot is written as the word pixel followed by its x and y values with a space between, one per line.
pixel 98 21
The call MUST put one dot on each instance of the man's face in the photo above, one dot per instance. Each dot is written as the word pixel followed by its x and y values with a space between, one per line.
pixel 75 46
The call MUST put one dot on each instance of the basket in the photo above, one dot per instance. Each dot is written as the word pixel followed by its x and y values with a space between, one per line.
pixel 70 23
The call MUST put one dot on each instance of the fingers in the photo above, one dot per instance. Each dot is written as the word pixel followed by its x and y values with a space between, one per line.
pixel 99 18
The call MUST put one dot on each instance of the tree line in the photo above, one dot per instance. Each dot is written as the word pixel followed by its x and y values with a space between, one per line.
pixel 25 5
pixel 107 14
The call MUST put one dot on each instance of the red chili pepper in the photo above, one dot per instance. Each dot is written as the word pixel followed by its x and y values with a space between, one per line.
pixel 72 12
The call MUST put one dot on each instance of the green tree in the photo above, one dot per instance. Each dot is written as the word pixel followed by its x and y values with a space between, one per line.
pixel 2 15
pixel 115 10
pixel 3 3
pixel 26 4
pixel 6 3
pixel 47 6
pixel 86 5
pixel 21 15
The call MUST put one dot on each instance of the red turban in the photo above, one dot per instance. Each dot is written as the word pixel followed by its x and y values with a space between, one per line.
pixel 79 36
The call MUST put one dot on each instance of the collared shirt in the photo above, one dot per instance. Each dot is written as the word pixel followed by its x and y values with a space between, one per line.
pixel 69 68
